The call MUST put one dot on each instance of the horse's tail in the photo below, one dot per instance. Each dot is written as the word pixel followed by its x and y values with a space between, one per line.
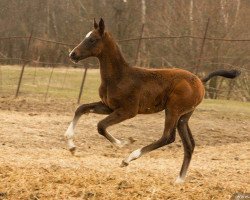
pixel 225 73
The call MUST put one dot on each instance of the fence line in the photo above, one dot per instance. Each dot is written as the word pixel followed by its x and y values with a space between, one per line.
pixel 45 63
pixel 81 65
pixel 36 38
pixel 184 36
pixel 130 39
pixel 48 85
pixel 25 60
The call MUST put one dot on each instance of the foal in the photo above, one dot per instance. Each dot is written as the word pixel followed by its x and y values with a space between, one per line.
pixel 127 91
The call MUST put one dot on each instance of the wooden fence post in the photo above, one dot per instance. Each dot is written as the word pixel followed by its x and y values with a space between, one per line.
pixel 64 78
pixel 24 64
pixel 139 45
pixel 82 84
pixel 47 91
pixel 202 48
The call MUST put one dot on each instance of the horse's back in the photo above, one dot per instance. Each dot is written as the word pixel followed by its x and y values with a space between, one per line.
pixel 159 86
pixel 169 76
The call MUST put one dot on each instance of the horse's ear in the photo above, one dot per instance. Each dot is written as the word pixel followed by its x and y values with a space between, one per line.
pixel 95 24
pixel 101 26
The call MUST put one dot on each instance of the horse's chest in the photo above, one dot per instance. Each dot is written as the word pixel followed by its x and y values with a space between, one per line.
pixel 107 96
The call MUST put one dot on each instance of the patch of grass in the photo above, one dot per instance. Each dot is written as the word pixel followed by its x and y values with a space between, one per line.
pixel 64 83
pixel 226 105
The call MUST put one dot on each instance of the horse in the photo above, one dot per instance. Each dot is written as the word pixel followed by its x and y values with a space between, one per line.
pixel 126 91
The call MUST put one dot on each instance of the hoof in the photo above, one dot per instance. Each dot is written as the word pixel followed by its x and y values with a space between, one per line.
pixel 126 142
pixel 122 144
pixel 179 180
pixel 72 150
pixel 124 164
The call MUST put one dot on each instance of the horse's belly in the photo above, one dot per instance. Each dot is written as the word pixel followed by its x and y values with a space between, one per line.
pixel 152 105
pixel 150 110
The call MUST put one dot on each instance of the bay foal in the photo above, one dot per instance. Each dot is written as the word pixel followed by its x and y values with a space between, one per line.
pixel 127 91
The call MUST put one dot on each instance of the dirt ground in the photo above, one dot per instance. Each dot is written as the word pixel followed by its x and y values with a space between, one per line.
pixel 35 162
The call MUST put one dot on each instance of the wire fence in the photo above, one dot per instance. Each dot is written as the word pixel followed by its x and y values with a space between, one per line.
pixel 27 61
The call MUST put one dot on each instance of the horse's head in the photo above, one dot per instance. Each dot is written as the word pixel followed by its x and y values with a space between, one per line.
pixel 91 45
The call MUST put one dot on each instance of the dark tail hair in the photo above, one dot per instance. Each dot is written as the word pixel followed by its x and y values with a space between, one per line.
pixel 225 73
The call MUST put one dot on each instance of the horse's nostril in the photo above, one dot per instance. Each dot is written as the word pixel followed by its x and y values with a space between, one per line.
pixel 72 54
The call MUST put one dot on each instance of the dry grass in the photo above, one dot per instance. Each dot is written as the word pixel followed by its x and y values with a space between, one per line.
pixel 35 164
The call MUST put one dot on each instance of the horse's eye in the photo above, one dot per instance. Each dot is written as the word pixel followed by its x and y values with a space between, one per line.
pixel 92 40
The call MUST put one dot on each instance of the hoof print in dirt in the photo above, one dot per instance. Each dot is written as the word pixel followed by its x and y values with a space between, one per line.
pixel 73 150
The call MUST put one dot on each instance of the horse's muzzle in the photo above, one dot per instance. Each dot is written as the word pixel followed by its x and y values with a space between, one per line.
pixel 74 57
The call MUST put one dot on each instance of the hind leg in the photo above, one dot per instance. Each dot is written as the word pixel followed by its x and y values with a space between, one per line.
pixel 167 138
pixel 190 135
pixel 188 144
pixel 97 107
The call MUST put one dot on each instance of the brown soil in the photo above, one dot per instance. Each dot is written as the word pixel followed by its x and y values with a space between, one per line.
pixel 35 163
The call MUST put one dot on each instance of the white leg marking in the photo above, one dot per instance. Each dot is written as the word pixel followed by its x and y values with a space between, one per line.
pixel 114 141
pixel 117 142
pixel 69 135
pixel 179 180
pixel 88 34
pixel 70 131
pixel 134 155
pixel 120 143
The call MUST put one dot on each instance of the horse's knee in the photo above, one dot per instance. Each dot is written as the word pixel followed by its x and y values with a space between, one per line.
pixel 167 140
pixel 80 110
pixel 172 136
pixel 181 123
pixel 171 139
pixel 101 128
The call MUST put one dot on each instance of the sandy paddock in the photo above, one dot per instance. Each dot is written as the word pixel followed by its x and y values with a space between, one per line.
pixel 35 164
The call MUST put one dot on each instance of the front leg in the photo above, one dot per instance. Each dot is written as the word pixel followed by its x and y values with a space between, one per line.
pixel 115 117
pixel 97 107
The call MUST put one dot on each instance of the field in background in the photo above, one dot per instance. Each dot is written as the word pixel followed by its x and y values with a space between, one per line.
pixel 35 163
pixel 65 82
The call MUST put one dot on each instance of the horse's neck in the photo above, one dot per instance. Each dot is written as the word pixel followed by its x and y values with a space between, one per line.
pixel 112 63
